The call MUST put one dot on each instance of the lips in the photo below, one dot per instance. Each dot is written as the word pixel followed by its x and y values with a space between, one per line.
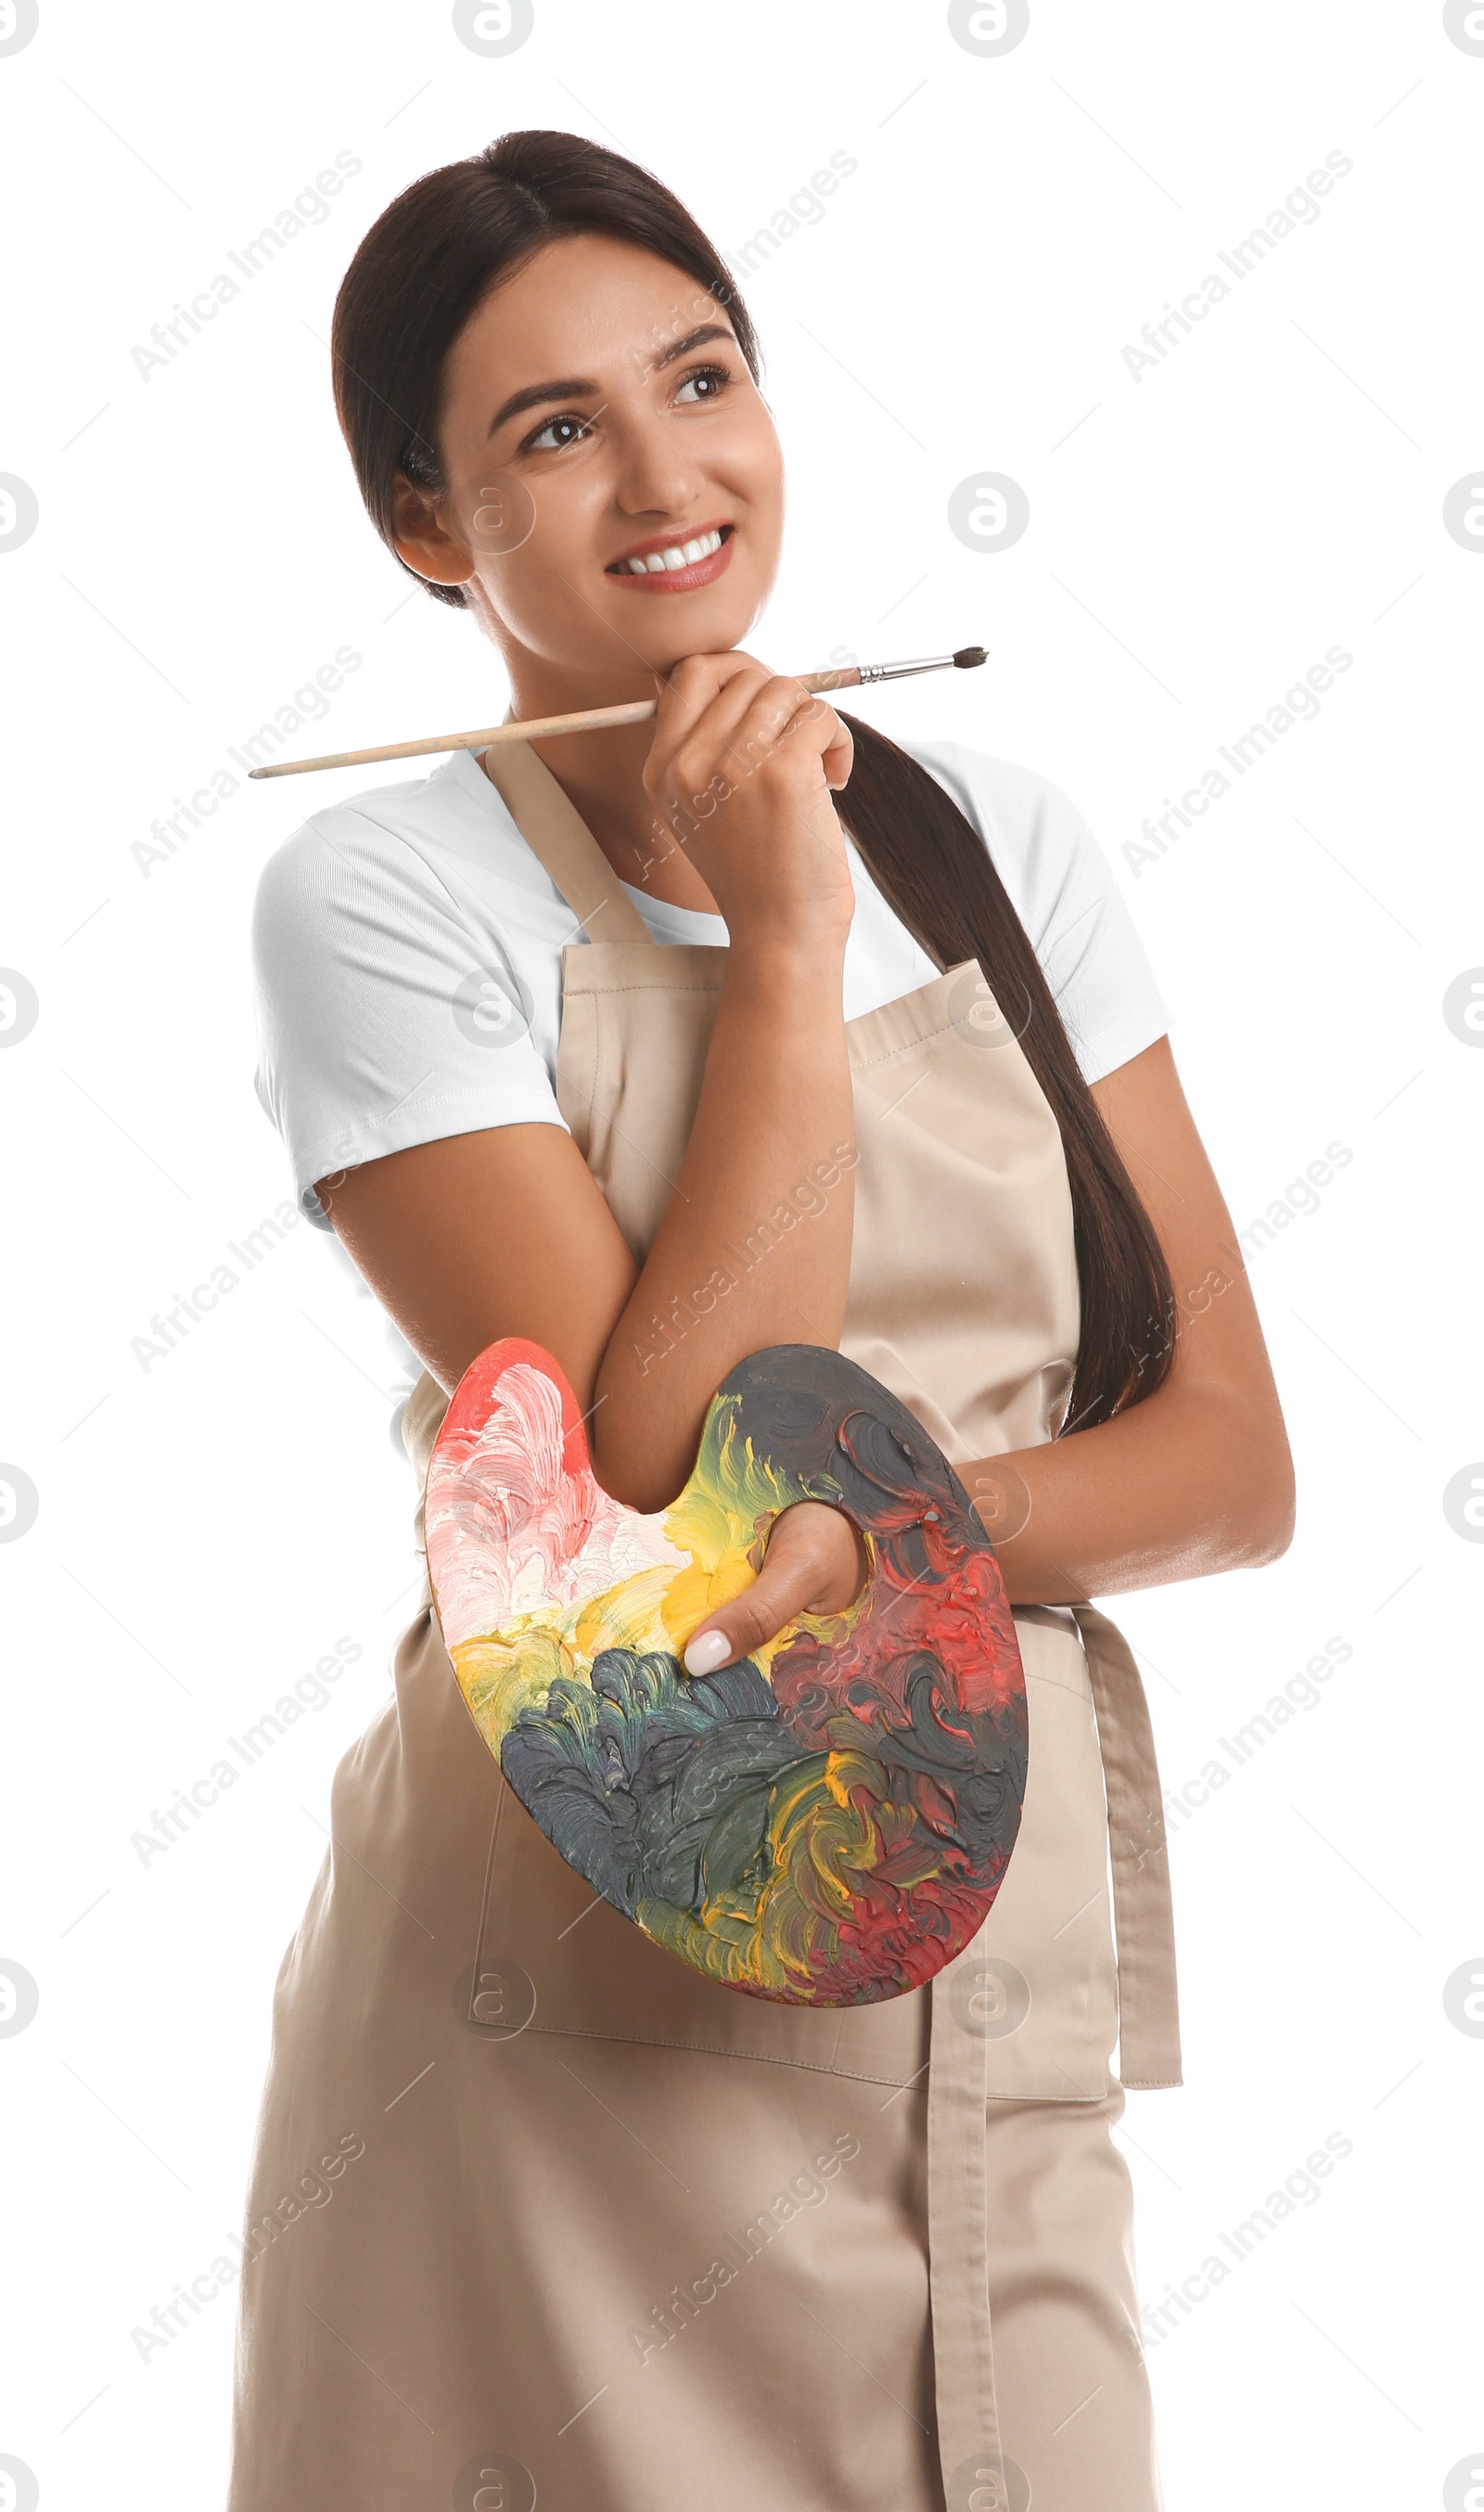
pixel 674 562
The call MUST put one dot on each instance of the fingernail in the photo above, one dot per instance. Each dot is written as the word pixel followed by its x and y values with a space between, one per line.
pixel 707 1652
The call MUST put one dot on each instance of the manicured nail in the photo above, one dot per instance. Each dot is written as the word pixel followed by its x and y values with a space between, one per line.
pixel 707 1652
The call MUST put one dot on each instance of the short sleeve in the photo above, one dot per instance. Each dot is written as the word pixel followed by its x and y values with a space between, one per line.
pixel 384 1017
pixel 1066 893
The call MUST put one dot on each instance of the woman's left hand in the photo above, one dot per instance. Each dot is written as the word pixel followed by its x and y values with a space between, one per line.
pixel 815 1563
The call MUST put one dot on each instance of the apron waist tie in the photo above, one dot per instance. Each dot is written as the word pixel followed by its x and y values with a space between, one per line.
pixel 959 2254
pixel 1144 1921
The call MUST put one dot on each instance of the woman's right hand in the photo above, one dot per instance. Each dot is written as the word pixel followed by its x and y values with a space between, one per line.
pixel 740 772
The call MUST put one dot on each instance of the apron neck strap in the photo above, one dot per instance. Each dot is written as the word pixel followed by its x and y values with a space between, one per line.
pixel 562 843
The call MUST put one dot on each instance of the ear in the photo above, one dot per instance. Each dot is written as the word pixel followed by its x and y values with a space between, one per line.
pixel 420 537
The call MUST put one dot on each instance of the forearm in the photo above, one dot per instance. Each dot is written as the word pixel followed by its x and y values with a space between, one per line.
pixel 1187 1483
pixel 754 1245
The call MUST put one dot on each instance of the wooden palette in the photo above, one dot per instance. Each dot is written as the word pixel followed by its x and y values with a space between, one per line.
pixel 825 1822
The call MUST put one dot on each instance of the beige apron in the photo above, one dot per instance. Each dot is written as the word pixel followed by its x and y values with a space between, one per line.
pixel 538 2216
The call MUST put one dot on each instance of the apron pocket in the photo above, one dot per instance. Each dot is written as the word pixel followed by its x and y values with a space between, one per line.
pixel 595 1973
pixel 1039 1983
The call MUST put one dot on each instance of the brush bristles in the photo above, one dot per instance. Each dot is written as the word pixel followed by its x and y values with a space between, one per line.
pixel 968 657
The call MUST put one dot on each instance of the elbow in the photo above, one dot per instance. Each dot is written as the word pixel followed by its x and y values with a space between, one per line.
pixel 1269 1534
pixel 1235 1468
pixel 1263 1505
pixel 631 1479
pixel 636 1492
pixel 616 1477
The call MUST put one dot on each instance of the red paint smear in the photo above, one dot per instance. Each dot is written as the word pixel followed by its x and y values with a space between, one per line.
pixel 474 1402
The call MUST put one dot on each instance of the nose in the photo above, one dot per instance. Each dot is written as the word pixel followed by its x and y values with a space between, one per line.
pixel 654 474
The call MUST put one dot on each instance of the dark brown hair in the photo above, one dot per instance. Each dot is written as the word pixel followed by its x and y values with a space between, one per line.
pixel 422 271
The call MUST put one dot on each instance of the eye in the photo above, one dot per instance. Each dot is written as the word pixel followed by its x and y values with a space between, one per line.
pixel 543 441
pixel 713 379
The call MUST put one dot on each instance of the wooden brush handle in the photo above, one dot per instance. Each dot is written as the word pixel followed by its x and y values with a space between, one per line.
pixel 536 729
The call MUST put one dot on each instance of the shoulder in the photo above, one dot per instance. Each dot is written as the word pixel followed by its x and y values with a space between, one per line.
pixel 399 992
pixel 414 864
pixel 1041 844
pixel 401 834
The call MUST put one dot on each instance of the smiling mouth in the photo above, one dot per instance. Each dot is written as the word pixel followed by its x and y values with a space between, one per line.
pixel 677 565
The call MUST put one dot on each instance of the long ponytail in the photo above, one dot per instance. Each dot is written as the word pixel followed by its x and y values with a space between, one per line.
pixel 933 867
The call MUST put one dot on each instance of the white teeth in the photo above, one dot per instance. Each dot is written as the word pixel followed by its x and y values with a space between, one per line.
pixel 681 554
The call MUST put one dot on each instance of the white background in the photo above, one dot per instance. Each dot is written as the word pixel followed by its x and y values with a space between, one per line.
pixel 211 1524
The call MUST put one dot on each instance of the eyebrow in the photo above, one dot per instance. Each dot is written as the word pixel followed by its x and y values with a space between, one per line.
pixel 531 396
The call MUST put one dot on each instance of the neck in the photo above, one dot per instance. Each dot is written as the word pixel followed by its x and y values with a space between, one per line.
pixel 601 775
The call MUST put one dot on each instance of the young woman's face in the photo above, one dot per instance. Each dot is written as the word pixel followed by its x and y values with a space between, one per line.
pixel 598 409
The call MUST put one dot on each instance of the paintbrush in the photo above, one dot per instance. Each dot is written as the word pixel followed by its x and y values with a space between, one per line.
pixel 850 676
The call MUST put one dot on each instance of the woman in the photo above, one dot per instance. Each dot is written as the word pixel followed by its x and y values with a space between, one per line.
pixel 536 2214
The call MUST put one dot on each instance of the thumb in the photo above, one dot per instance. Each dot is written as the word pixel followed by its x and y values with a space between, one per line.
pixel 815 1562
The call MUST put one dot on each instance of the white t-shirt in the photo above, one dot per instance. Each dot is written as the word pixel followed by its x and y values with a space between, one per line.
pixel 407 953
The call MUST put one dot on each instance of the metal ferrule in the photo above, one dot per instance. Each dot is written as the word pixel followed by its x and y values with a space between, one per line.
pixel 904 671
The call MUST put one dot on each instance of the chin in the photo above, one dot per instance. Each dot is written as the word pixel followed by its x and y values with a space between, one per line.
pixel 716 628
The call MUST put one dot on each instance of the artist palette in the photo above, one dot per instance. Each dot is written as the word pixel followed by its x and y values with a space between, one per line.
pixel 825 1822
